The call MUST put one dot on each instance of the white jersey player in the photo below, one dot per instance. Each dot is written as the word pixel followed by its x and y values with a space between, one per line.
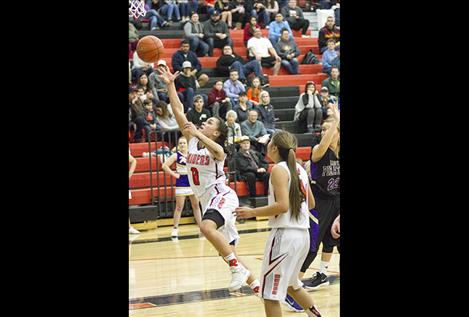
pixel 205 161
pixel 290 199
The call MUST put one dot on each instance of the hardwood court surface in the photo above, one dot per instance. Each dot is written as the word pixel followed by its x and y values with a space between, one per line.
pixel 186 277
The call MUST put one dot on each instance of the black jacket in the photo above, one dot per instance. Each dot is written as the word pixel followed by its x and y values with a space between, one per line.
pixel 242 163
pixel 224 63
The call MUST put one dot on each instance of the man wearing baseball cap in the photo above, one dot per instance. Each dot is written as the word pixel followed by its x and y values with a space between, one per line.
pixel 159 88
pixel 251 165
pixel 216 33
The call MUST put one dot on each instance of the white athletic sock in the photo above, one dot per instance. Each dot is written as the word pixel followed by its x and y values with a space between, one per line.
pixel 231 259
pixel 255 284
pixel 324 266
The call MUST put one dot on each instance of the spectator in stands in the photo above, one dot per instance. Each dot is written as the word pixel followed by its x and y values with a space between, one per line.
pixel 259 11
pixel 251 165
pixel 272 8
pixel 242 108
pixel 230 60
pixel 333 82
pixel 205 6
pixel 282 4
pixel 325 99
pixel 294 16
pixel 308 110
pixel 233 87
pixel 198 114
pixel 194 33
pixel 328 32
pixel 184 54
pixel 256 131
pixel 146 121
pixel 136 109
pixel 287 49
pixel 266 112
pixel 143 82
pixel 139 67
pixel 186 85
pixel 218 102
pixel 152 14
pixel 165 117
pixel 168 8
pixel 234 129
pixel 157 84
pixel 193 6
pixel 276 27
pixel 133 165
pixel 254 91
pixel 249 29
pixel 216 33
pixel 261 49
pixel 184 9
pixel 133 97
pixel 329 57
pixel 223 6
pixel 238 13
pixel 133 39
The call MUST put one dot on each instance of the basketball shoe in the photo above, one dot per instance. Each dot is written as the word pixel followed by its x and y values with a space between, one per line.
pixel 239 275
pixel 293 304
pixel 317 281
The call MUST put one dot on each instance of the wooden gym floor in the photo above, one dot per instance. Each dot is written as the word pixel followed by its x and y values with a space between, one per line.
pixel 186 277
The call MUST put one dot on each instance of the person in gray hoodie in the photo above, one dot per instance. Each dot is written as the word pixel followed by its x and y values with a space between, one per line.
pixel 194 33
pixel 216 33
pixel 308 109
pixel 288 51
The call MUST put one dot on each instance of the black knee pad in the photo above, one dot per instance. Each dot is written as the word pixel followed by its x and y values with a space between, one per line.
pixel 327 248
pixel 215 216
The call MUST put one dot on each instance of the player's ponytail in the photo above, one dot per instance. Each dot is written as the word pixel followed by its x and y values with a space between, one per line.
pixel 287 144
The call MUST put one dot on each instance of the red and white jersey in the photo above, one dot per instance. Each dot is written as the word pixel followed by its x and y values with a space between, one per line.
pixel 203 169
pixel 285 220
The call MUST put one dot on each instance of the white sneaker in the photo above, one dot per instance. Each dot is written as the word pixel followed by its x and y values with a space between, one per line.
pixel 132 230
pixel 305 36
pixel 174 233
pixel 239 276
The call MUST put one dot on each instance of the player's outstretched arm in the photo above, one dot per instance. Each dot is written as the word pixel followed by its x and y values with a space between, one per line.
pixel 176 105
pixel 321 148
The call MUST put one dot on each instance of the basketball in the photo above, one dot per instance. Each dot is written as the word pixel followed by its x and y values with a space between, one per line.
pixel 150 49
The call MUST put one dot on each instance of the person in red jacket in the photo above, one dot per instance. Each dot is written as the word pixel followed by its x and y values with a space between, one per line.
pixel 218 102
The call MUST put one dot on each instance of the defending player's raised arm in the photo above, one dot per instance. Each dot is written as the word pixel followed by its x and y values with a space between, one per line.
pixel 176 105
pixel 321 148
pixel 279 178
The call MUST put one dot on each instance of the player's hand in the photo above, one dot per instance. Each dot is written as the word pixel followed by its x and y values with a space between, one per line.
pixel 335 229
pixel 166 75
pixel 190 128
pixel 244 212
pixel 177 175
pixel 278 58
